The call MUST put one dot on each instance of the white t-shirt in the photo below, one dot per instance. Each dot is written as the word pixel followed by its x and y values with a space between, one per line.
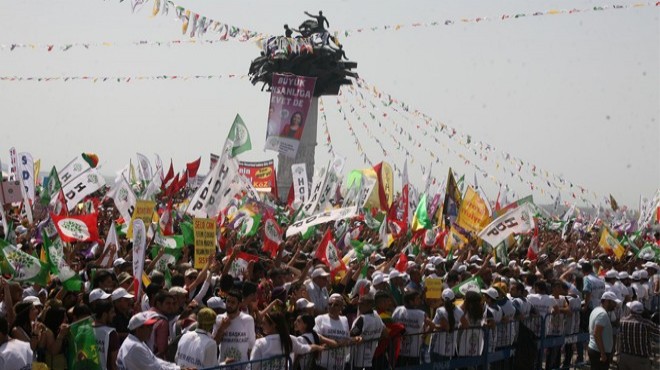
pixel 413 320
pixel 444 343
pixel 594 285
pixel 271 346
pixel 238 339
pixel 196 349
pixel 372 328
pixel 318 296
pixel 135 355
pixel 333 359
pixel 15 355
pixel 102 334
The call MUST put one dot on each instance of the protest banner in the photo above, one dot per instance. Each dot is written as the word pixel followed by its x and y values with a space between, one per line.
pixel 433 288
pixel 518 220
pixel 205 238
pixel 290 99
pixel 261 175
pixel 144 210
pixel 321 218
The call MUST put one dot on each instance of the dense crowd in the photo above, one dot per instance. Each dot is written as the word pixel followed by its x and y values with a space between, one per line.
pixel 376 313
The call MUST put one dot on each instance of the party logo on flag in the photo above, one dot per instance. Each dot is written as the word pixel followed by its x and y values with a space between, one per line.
pixel 271 230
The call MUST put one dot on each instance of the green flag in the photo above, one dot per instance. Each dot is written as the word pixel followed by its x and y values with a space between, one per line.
pixel 472 284
pixel 83 352
pixel 187 232
pixel 240 136
pixel 309 232
pixel 421 218
pixel 649 252
pixel 54 250
pixel 22 266
pixel 172 245
pixel 51 188
pixel 250 225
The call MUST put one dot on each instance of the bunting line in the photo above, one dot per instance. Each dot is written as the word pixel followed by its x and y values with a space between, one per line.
pixel 124 79
pixel 326 130
pixel 199 25
pixel 483 151
pixel 503 17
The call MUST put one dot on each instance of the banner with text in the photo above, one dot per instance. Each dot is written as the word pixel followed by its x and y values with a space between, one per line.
pixel 290 99
pixel 261 174
pixel 204 230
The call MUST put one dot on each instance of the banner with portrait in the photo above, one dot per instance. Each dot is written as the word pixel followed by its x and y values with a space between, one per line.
pixel 290 99
pixel 261 175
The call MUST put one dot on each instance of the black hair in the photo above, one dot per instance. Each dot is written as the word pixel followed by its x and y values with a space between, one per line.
pixel 4 326
pixel 54 318
pixel 22 319
pixel 282 328
pixel 100 276
pixel 248 288
pixel 450 307
pixel 226 283
pixel 101 307
pixel 409 297
pixel 81 310
pixel 161 296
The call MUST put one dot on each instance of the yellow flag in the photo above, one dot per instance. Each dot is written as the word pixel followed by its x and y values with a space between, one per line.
pixel 473 213
pixel 610 244
pixel 455 240
pixel 37 168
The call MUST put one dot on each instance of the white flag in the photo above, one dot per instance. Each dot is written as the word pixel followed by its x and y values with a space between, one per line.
pixel 111 239
pixel 139 245
pixel 321 218
pixel 367 187
pixel 518 220
pixel 315 194
pixel 208 197
pixel 82 186
pixel 300 184
pixel 72 170
pixel 26 175
pixel 124 198
pixel 154 185
pixel 144 167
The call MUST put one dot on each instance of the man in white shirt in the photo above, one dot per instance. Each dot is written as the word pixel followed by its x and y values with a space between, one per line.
pixel 198 348
pixel 107 339
pixel 318 291
pixel 14 354
pixel 134 353
pixel 415 322
pixel 234 331
pixel 369 328
pixel 334 326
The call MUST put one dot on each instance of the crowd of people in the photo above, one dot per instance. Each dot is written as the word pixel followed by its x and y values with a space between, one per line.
pixel 374 314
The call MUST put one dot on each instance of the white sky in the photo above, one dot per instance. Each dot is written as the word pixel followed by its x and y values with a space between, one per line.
pixel 577 95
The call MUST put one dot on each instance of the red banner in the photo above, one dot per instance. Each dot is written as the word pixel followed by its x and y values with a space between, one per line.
pixel 262 175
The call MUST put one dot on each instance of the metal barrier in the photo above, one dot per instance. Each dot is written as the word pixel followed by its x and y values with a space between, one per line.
pixel 280 362
pixel 514 344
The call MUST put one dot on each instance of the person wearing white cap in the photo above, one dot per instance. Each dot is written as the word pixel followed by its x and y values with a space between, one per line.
pixel 639 292
pixel 636 336
pixel 303 306
pixel 134 353
pixel 15 354
pixel 123 302
pixel 396 286
pixel 98 294
pixel 619 284
pixel 654 284
pixel 611 278
pixel 318 291
pixel 107 340
pixel 217 305
pixel 333 325
pixel 601 337
pixel 447 319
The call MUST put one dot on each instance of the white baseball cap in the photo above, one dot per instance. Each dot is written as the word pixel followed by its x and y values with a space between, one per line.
pixel 623 275
pixel 319 272
pixel 216 303
pixel 610 296
pixel 302 304
pixel 394 274
pixel 491 292
pixel 34 300
pixel 448 295
pixel 378 280
pixel 142 318
pixel 121 293
pixel 118 262
pixel 611 274
pixel 635 306
pixel 97 294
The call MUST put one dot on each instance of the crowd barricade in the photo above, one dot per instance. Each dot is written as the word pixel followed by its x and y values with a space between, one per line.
pixel 281 362
pixel 521 344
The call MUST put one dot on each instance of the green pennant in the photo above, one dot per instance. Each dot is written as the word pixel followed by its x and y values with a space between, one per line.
pixel 51 187
pixel 472 284
pixel 309 232
pixel 21 266
pixel 250 226
pixel 187 232
pixel 83 352
pixel 240 136
pixel 54 250
pixel 173 248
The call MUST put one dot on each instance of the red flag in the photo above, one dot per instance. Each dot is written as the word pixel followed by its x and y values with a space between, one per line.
pixel 290 197
pixel 497 202
pixel 533 250
pixel 82 228
pixel 272 236
pixel 402 263
pixel 192 167
pixel 165 221
pixel 381 191
pixel 183 181
pixel 170 174
pixel 171 189
pixel 328 254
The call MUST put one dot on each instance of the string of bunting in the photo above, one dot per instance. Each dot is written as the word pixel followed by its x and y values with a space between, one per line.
pixel 326 131
pixel 503 17
pixel 477 148
pixel 199 25
pixel 356 141
pixel 124 79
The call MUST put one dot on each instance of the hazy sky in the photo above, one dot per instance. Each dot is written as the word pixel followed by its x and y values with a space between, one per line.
pixel 576 95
